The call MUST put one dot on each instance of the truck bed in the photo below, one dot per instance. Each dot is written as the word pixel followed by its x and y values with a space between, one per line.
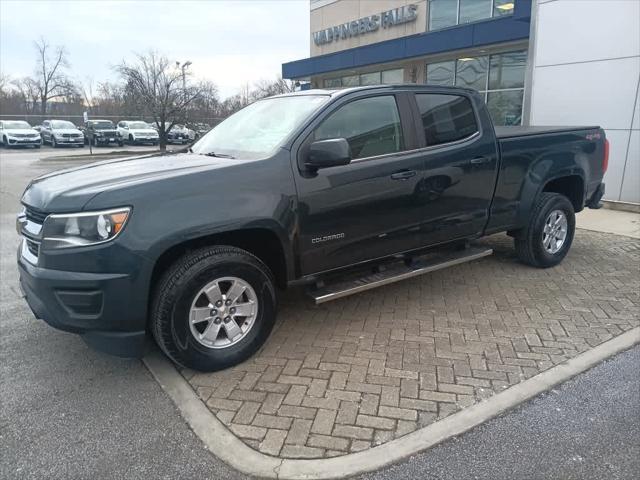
pixel 523 131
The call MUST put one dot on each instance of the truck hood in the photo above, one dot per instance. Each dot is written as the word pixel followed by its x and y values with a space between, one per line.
pixel 69 190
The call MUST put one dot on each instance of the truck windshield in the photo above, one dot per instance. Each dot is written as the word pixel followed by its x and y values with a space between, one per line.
pixel 258 129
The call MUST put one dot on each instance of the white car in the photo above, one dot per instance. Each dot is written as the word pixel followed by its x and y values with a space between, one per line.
pixel 137 132
pixel 18 133
pixel 61 132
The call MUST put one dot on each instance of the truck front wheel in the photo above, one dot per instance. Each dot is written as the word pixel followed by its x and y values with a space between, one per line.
pixel 213 308
pixel 548 237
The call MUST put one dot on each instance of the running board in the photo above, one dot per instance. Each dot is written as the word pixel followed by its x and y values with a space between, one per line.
pixel 396 272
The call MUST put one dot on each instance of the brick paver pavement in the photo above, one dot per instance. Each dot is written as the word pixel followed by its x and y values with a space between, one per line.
pixel 363 370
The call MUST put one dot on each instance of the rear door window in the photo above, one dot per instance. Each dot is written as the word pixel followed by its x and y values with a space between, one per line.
pixel 446 118
pixel 370 125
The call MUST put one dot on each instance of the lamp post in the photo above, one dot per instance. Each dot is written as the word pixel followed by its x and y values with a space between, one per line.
pixel 184 66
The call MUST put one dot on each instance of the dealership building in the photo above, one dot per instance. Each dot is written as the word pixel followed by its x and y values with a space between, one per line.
pixel 537 62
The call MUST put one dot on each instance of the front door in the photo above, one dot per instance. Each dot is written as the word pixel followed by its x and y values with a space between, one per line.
pixel 368 208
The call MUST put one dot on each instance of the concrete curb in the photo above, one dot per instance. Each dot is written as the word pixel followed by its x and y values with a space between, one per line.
pixel 231 450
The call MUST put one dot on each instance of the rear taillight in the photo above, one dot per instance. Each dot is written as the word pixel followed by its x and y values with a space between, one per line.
pixel 605 160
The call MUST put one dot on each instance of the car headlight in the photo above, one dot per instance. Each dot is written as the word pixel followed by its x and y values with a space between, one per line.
pixel 82 229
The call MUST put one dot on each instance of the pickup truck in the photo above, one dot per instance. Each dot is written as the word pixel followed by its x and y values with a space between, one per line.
pixel 338 191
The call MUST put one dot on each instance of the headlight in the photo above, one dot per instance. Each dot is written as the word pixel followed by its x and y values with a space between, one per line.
pixel 82 229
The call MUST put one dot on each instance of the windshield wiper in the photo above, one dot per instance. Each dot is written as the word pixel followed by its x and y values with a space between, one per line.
pixel 219 155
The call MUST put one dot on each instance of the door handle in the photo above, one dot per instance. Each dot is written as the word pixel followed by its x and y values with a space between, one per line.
pixel 480 160
pixel 403 175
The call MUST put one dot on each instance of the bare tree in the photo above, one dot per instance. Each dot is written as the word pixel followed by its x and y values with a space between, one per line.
pixel 5 81
pixel 89 98
pixel 51 79
pixel 29 92
pixel 266 88
pixel 160 89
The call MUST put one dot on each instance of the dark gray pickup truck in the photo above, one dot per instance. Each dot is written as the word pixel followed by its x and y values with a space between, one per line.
pixel 339 191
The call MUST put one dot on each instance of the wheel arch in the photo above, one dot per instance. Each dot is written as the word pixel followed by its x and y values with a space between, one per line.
pixel 571 186
pixel 260 241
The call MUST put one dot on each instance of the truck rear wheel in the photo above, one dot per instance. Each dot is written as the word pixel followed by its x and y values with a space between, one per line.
pixel 213 308
pixel 547 239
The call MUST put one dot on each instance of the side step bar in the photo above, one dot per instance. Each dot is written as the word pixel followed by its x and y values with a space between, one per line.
pixel 397 272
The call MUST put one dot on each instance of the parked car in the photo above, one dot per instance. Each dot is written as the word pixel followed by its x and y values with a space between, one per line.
pixel 14 133
pixel 137 132
pixel 318 188
pixel 200 129
pixel 60 133
pixel 178 134
pixel 101 132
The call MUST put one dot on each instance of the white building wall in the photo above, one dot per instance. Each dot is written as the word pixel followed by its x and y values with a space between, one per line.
pixel 585 68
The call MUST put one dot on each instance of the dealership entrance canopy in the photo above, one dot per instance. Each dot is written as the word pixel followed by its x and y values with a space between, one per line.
pixel 537 62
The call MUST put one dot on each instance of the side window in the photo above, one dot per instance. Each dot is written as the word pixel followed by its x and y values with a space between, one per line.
pixel 446 118
pixel 371 126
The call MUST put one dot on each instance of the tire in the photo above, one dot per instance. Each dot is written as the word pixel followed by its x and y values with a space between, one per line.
pixel 5 142
pixel 53 142
pixel 179 290
pixel 529 244
pixel 131 142
pixel 120 144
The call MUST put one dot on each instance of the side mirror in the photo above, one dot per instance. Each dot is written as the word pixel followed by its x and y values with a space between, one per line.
pixel 328 153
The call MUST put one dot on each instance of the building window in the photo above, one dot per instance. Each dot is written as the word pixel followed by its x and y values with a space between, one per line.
pixel 395 75
pixel 448 13
pixel 351 81
pixel 441 73
pixel 472 72
pixel 371 126
pixel 498 77
pixel 443 14
pixel 446 118
pixel 372 78
pixel 475 10
pixel 502 7
pixel 332 82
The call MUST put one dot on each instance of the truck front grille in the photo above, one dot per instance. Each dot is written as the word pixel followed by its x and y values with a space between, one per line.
pixel 33 247
pixel 35 216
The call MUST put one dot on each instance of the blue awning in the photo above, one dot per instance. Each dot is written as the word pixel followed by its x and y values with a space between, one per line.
pixel 480 34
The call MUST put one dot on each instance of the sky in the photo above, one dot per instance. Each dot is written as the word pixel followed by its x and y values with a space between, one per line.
pixel 230 42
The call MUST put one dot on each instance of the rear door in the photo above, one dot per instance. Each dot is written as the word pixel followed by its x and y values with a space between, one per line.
pixel 367 209
pixel 461 161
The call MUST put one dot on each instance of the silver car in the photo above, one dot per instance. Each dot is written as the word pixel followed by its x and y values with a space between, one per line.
pixel 61 132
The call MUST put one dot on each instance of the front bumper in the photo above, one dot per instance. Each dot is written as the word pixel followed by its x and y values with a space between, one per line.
pixel 14 142
pixel 97 306
pixel 108 140
pixel 70 141
pixel 153 140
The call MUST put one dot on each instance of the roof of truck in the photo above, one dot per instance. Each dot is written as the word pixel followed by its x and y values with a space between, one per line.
pixel 396 86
